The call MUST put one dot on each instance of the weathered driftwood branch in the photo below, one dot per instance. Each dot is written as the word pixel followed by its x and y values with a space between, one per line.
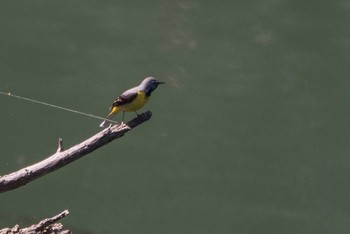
pixel 64 157
pixel 47 226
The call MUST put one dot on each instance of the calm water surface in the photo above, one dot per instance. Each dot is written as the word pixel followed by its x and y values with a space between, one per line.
pixel 249 135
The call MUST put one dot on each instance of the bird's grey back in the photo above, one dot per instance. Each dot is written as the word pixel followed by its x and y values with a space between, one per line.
pixel 140 87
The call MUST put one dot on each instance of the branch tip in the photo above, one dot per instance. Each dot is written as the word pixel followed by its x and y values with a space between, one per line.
pixel 60 145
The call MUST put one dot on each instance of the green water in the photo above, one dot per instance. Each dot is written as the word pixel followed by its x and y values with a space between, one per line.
pixel 249 135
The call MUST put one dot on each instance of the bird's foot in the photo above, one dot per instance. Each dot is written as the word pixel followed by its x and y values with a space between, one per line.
pixel 121 124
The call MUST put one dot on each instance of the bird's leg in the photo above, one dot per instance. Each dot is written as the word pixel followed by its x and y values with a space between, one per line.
pixel 137 114
pixel 122 118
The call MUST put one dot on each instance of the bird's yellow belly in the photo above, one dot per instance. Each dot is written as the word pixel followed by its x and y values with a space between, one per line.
pixel 136 104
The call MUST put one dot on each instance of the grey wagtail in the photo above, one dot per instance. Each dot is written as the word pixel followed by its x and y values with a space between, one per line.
pixel 133 99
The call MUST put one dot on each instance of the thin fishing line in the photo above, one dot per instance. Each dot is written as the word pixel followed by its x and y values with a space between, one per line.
pixel 55 106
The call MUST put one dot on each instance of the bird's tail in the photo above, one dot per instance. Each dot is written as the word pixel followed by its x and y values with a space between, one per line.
pixel 114 111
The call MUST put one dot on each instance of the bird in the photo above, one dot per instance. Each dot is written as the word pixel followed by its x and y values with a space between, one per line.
pixel 133 99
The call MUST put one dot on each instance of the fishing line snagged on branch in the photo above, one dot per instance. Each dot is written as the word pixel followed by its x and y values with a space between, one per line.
pixel 55 106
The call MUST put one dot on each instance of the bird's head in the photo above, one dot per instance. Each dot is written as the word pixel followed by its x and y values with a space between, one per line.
pixel 149 84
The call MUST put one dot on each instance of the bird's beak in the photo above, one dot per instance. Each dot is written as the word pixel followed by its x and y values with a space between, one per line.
pixel 161 82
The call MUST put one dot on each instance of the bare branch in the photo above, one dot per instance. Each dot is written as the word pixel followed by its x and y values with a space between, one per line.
pixel 46 226
pixel 62 158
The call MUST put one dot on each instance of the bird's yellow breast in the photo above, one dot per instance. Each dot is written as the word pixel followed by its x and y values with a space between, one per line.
pixel 140 100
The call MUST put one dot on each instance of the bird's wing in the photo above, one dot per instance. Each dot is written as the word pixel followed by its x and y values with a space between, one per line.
pixel 127 97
